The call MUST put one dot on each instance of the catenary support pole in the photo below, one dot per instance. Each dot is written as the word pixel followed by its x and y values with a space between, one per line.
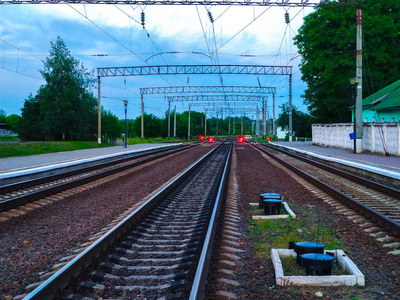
pixel 205 123
pixel 142 120
pixel 98 111
pixel 175 123
pixel 273 116
pixel 290 110
pixel 359 122
pixel 189 124
pixel 169 119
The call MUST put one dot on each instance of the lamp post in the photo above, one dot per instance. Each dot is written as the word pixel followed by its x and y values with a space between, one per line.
pixel 354 83
pixel 126 124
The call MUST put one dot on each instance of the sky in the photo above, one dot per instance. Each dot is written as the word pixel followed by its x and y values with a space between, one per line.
pixel 112 36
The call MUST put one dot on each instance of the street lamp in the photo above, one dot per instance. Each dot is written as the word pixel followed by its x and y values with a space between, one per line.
pixel 354 82
pixel 126 125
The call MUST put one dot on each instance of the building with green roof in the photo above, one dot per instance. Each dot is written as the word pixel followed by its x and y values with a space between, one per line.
pixel 384 104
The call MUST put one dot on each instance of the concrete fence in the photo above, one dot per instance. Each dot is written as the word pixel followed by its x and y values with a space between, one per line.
pixel 383 137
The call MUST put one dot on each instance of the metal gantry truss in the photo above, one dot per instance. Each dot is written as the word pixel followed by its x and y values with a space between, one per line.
pixel 287 3
pixel 207 105
pixel 194 69
pixel 208 89
pixel 188 69
pixel 218 98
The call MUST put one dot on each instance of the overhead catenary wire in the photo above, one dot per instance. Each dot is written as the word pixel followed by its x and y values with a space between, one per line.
pixel 117 41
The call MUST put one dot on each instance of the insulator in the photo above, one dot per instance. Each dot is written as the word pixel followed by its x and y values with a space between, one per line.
pixel 142 18
pixel 287 19
pixel 210 16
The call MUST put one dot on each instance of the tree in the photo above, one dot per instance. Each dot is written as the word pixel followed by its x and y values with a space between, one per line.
pixel 327 42
pixel 62 109
pixel 111 127
pixel 30 126
pixel 153 126
pixel 2 116
pixel 301 121
pixel 12 122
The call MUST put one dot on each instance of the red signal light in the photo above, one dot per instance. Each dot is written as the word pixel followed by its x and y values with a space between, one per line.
pixel 210 139
pixel 202 138
pixel 269 139
pixel 241 139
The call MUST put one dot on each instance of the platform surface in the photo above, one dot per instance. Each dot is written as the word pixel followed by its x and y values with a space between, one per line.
pixel 390 163
pixel 12 164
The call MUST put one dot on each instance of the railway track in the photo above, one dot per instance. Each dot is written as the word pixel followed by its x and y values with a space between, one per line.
pixel 22 192
pixel 161 250
pixel 379 203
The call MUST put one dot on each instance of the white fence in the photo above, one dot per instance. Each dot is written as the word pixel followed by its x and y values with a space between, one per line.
pixel 377 137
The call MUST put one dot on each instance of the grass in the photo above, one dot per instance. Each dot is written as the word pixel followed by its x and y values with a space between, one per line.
pixel 134 141
pixel 277 233
pixel 33 148
pixel 8 138
pixel 13 147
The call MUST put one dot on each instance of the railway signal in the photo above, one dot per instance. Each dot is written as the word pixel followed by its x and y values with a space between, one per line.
pixel 269 139
pixel 202 138
pixel 210 139
pixel 241 139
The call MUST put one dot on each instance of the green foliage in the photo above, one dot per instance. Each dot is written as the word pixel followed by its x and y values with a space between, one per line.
pixel 327 42
pixel 301 122
pixel 62 109
pixel 111 127
pixel 30 126
pixel 2 116
pixel 12 122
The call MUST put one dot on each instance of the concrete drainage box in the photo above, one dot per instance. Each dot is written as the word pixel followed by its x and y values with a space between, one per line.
pixel 270 217
pixel 356 277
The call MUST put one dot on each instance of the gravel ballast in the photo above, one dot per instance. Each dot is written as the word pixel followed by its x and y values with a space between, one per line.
pixel 32 243
pixel 256 175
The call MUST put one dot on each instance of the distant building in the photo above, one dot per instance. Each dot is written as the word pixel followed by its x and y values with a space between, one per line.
pixel 383 105
pixel 4 131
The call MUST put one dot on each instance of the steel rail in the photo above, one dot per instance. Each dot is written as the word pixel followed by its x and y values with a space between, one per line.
pixel 200 280
pixel 351 202
pixel 36 195
pixel 52 286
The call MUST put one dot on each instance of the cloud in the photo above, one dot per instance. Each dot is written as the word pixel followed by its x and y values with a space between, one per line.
pixel 92 30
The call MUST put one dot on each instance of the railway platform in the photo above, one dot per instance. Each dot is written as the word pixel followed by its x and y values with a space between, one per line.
pixel 23 163
pixel 373 162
